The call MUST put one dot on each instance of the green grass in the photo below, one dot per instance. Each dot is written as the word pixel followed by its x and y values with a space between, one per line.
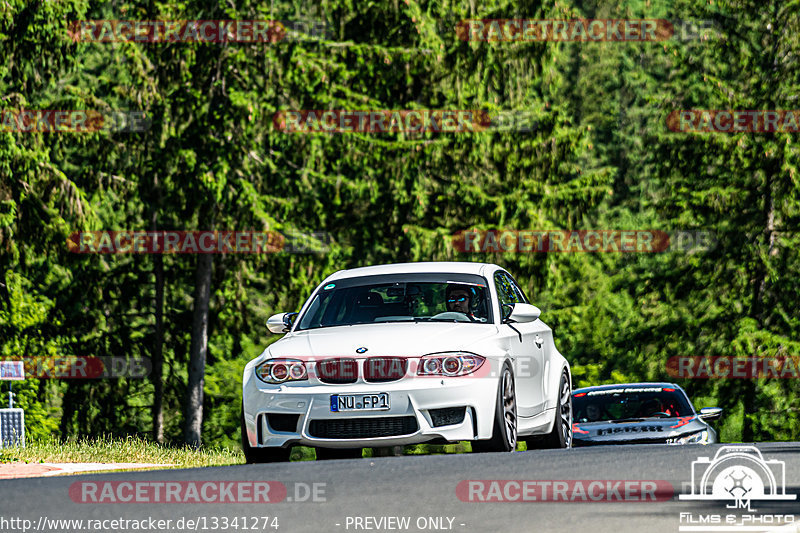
pixel 118 450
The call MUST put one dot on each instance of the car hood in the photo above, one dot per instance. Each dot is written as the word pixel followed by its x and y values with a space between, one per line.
pixel 656 430
pixel 397 339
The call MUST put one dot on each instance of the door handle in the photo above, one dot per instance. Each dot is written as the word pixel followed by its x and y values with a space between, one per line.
pixel 539 341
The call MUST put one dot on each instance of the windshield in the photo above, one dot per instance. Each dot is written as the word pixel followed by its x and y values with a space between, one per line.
pixel 399 298
pixel 625 403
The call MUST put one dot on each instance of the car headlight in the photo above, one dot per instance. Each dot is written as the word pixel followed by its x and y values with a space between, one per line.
pixel 695 438
pixel 277 371
pixel 449 364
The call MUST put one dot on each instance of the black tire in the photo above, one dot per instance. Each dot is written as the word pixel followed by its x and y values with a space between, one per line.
pixel 325 454
pixel 561 434
pixel 504 433
pixel 262 455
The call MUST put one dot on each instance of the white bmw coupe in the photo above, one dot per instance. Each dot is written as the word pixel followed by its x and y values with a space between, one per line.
pixel 403 354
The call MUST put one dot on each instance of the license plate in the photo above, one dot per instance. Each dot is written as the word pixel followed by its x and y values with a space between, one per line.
pixel 360 402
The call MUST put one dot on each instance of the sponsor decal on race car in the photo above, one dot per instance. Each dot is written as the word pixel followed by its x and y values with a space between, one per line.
pixel 603 392
pixel 628 429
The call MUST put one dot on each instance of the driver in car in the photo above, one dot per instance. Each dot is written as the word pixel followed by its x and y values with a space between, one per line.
pixel 651 408
pixel 458 299
pixel 593 412
pixel 465 300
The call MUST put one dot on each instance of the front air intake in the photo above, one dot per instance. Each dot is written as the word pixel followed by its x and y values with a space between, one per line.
pixel 363 428
pixel 283 422
pixel 447 416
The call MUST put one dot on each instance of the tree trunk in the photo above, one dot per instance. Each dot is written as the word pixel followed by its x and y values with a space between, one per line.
pixel 157 357
pixel 749 397
pixel 199 350
pixel 157 376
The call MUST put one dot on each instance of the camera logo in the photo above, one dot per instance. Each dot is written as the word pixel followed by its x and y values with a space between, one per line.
pixel 738 474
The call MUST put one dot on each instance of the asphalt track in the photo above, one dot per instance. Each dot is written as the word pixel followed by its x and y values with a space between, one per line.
pixel 421 488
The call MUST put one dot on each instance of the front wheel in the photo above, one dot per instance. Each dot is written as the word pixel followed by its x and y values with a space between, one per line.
pixel 504 434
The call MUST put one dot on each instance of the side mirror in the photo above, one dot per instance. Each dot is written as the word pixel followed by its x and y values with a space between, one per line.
pixel 710 413
pixel 523 313
pixel 281 323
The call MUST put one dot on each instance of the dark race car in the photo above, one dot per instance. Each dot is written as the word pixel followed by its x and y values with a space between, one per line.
pixel 639 413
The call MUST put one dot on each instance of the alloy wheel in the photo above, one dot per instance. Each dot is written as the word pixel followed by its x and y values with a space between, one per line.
pixel 510 409
pixel 565 402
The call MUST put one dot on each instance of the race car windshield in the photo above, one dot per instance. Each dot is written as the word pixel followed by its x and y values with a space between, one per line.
pixel 630 403
pixel 395 299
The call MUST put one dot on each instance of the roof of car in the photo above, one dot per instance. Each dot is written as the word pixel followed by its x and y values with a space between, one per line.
pixel 629 386
pixel 432 267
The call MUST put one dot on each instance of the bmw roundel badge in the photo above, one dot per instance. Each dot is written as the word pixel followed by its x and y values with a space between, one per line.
pixel 363 349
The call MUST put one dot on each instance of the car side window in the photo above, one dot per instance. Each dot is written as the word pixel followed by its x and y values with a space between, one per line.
pixel 505 293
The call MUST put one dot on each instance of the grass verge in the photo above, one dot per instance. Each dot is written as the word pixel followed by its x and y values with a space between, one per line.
pixel 137 450
pixel 118 450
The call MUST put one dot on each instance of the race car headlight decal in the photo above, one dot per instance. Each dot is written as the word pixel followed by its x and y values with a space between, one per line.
pixel 449 364
pixel 682 421
pixel 695 438
pixel 276 371
pixel 577 429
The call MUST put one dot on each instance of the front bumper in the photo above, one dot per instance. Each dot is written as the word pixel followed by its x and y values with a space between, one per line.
pixel 409 397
